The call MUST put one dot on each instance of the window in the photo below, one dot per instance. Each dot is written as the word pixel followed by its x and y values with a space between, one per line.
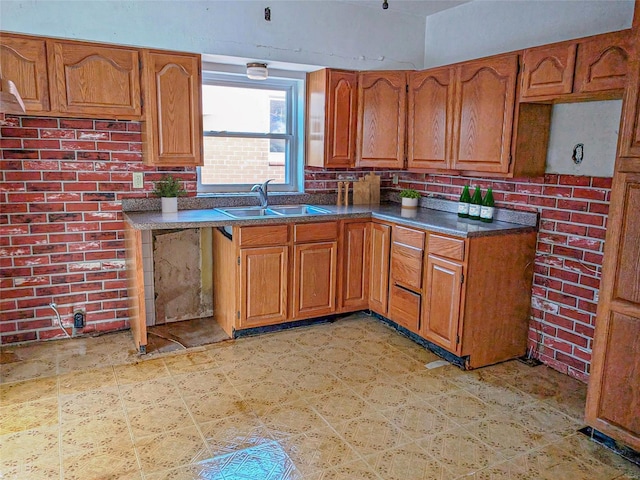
pixel 252 132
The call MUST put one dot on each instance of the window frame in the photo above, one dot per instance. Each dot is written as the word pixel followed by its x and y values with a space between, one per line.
pixel 294 88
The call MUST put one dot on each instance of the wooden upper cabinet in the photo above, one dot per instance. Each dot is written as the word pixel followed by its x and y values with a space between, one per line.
pixel 602 63
pixel 430 117
pixel 483 115
pixel 23 60
pixel 382 98
pixel 173 108
pixel 629 141
pixel 331 118
pixel 96 80
pixel 548 70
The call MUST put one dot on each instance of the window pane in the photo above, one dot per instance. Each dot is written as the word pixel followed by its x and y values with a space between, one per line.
pixel 236 109
pixel 243 160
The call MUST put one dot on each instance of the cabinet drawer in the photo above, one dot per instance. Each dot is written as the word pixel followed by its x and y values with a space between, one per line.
pixel 404 308
pixel 315 232
pixel 263 235
pixel 446 247
pixel 408 236
pixel 406 266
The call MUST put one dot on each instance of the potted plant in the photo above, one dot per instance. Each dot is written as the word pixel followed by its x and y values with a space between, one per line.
pixel 169 189
pixel 409 198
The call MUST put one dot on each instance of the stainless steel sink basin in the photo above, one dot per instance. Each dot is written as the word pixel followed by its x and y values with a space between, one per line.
pixel 247 212
pixel 276 210
pixel 298 210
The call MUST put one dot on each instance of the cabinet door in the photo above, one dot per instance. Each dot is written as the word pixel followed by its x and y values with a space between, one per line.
pixel 24 62
pixel 97 80
pixel 613 400
pixel 314 279
pixel 382 99
pixel 441 310
pixel 341 116
pixel 354 285
pixel 404 308
pixel 173 109
pixel 629 142
pixel 483 125
pixel 263 286
pixel 602 63
pixel 430 117
pixel 379 274
pixel 548 70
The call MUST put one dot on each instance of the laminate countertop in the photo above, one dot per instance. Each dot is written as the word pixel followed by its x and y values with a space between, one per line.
pixel 425 218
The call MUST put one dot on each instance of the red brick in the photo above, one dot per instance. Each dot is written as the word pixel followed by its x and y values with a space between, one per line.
pixel 49 248
pixel 18 337
pixel 77 145
pixel 41 144
pixel 571 361
pixel 126 137
pixel 574 180
pixel 34 324
pixel 562 299
pixel 14 208
pixel 111 125
pixel 76 124
pixel 585 330
pixel 595 258
pixel 590 281
pixel 10 132
pixel 49 269
pixel 575 314
pixel 557 344
pixel 590 193
pixel 12 143
pixel 601 182
pixel 57 133
pixel 572 338
pixel 585 243
pixel 82 207
pixel 57 155
pixel 587 306
pixel 80 187
pixel 563 274
pixel 20 154
pixel 588 219
pixel 574 205
pixel 578 291
pixel 599 208
pixel 599 233
pixel 92 135
pixel 571 228
pixel 63 197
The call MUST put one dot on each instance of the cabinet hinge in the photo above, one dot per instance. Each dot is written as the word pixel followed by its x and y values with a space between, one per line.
pixel 238 314
pixel 462 278
pixel 407 88
pixel 238 260
pixel 457 339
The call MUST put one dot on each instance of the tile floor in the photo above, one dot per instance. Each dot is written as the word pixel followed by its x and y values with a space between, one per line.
pixel 348 400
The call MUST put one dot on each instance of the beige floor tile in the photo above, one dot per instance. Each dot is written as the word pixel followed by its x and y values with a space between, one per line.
pixel 507 435
pixel 318 450
pixel 313 383
pixel 373 348
pixel 27 370
pixel 201 383
pixel 311 337
pixel 104 432
pixel 90 403
pixel 417 419
pixel 252 371
pixel 334 355
pixel 216 405
pixel 290 365
pixel 494 391
pixel 148 393
pixel 358 371
pixel 235 433
pixel 372 433
pixel 31 454
pixel 234 353
pixel 459 451
pixel 28 390
pixel 292 418
pixel 358 470
pixel 383 393
pixel 541 418
pixel 186 362
pixel 141 372
pixel 425 385
pixel 82 380
pixel 17 417
pixel 408 462
pixel 69 363
pixel 170 450
pixel 398 364
pixel 268 393
pixel 462 407
pixel 112 463
pixel 162 416
pixel 340 405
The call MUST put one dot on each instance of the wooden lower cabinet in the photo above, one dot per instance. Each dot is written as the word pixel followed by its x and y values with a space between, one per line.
pixel 353 291
pixel 263 286
pixel 404 307
pixel 441 312
pixel 379 274
pixel 314 279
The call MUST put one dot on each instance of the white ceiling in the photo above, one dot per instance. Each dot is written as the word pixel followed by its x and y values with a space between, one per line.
pixel 422 8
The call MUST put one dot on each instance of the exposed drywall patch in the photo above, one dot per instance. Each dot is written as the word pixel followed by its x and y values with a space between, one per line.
pixel 595 125
pixel 177 258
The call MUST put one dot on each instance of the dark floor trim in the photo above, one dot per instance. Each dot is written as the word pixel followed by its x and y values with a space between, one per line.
pixel 247 332
pixel 625 452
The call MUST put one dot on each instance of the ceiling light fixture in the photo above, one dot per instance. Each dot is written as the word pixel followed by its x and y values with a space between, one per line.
pixel 257 71
pixel 385 4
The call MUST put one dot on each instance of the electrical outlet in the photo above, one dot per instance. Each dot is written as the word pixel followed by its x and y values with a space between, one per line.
pixel 138 180
pixel 78 318
pixel 394 179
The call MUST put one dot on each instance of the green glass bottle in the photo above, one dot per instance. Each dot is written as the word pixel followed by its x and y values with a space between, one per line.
pixel 476 205
pixel 463 204
pixel 486 211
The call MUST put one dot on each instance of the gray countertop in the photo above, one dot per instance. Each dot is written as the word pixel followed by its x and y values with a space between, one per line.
pixel 425 218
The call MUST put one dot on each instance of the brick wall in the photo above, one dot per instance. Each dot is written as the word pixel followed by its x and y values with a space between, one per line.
pixel 568 264
pixel 61 227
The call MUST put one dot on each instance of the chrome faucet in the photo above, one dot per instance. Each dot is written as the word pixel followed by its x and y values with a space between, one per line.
pixel 263 193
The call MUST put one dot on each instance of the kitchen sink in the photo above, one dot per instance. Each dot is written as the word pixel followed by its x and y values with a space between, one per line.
pixel 247 212
pixel 275 211
pixel 298 210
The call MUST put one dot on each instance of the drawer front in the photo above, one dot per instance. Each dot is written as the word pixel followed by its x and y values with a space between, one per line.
pixel 408 236
pixel 446 247
pixel 404 308
pixel 406 266
pixel 263 235
pixel 315 232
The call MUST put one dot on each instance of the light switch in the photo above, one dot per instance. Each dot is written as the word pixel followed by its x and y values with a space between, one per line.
pixel 138 180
